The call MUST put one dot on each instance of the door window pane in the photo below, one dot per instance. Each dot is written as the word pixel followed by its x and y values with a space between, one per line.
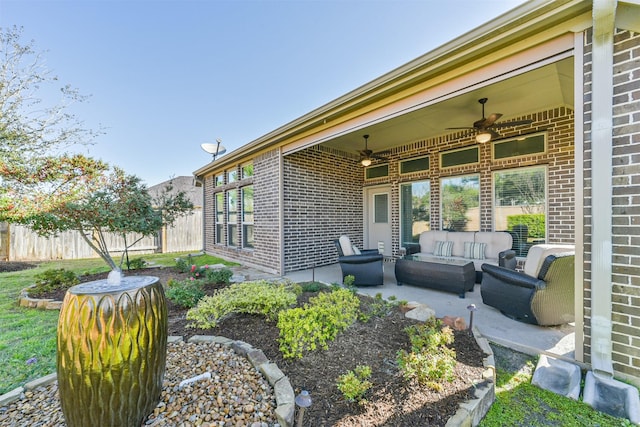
pixel 381 208
pixel 460 203
pixel 415 210
pixel 520 206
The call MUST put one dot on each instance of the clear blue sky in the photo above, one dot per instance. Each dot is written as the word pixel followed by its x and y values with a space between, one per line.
pixel 165 76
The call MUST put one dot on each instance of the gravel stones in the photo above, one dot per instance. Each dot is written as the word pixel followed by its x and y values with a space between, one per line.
pixel 235 394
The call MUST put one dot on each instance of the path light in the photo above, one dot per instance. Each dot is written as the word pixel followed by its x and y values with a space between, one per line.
pixel 303 401
pixel 471 308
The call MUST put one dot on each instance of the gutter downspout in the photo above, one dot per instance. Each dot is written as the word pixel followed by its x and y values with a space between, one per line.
pixel 604 12
pixel 201 181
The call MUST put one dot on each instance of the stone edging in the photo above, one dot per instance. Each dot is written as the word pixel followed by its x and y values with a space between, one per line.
pixel 24 300
pixel 469 414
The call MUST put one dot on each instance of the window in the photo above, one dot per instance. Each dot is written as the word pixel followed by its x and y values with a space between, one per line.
pixel 219 180
pixel 232 218
pixel 376 171
pixel 464 156
pixel 247 217
pixel 521 146
pixel 247 170
pixel 414 165
pixel 232 176
pixel 520 205
pixel 381 208
pixel 219 219
pixel 460 198
pixel 415 210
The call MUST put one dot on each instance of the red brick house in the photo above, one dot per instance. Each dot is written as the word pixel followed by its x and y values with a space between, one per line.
pixel 566 71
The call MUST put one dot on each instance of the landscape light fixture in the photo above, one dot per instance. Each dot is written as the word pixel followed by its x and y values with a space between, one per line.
pixel 303 401
pixel 214 149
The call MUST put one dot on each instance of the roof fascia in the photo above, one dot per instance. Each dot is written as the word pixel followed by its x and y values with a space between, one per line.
pixel 507 29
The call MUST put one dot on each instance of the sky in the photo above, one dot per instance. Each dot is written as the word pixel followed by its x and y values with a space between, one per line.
pixel 165 76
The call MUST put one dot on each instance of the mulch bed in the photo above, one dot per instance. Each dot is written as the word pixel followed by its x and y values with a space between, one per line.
pixel 392 401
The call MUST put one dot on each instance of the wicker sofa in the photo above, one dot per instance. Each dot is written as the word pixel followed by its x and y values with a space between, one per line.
pixel 479 247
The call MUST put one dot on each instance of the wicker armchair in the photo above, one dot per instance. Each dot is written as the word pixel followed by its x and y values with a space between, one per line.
pixel 365 265
pixel 541 295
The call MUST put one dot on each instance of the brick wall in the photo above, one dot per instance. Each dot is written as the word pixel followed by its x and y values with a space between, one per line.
pixel 625 203
pixel 322 200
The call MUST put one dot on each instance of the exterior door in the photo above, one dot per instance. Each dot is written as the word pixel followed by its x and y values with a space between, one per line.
pixel 378 223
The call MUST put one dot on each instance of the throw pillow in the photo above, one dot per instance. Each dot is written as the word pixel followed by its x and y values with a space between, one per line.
pixel 443 248
pixel 474 250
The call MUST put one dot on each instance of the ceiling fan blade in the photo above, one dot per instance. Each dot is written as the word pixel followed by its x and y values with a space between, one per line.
pixel 494 134
pixel 512 123
pixel 461 128
pixel 489 121
pixel 377 156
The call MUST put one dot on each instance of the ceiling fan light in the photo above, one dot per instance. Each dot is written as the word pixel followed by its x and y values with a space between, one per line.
pixel 366 162
pixel 483 137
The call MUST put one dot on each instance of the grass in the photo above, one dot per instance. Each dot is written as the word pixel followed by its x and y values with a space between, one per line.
pixel 28 351
pixel 519 403
pixel 28 336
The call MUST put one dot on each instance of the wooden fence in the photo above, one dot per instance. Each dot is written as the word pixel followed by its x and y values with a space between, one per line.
pixel 18 243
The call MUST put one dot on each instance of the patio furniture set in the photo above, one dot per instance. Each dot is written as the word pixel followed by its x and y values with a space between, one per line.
pixel 541 294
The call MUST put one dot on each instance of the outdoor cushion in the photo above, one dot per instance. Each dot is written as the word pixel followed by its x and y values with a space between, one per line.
pixel 473 250
pixel 443 248
pixel 496 242
pixel 538 253
pixel 346 246
pixel 458 238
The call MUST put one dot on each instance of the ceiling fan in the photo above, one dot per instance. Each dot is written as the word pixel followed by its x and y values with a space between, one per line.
pixel 484 127
pixel 366 155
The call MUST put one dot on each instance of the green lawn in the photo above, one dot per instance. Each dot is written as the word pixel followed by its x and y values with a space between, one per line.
pixel 28 351
pixel 28 336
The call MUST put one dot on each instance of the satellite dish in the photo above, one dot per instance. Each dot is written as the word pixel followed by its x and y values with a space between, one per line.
pixel 214 149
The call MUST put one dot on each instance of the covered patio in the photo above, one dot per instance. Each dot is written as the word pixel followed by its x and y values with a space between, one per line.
pixel 557 341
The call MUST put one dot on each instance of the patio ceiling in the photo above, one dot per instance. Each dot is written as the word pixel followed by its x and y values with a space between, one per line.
pixel 549 86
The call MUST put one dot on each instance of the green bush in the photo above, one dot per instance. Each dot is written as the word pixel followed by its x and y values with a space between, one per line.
pixel 136 264
pixel 183 265
pixel 259 297
pixel 354 384
pixel 185 293
pixel 52 280
pixel 317 323
pixel 430 361
pixel 222 275
pixel 534 222
pixel 429 335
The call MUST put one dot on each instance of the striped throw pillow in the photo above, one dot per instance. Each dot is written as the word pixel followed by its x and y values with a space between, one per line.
pixel 474 250
pixel 443 248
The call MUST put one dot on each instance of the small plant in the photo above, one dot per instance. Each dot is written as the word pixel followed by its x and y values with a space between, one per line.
pixel 430 361
pixel 312 287
pixel 317 323
pixel 354 384
pixel 136 264
pixel 349 280
pixel 53 280
pixel 218 276
pixel 183 265
pixel 185 293
pixel 260 297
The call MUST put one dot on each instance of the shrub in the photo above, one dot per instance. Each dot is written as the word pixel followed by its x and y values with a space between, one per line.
pixel 430 361
pixel 183 265
pixel 317 323
pixel 534 222
pixel 222 275
pixel 259 297
pixel 53 280
pixel 136 264
pixel 354 384
pixel 185 293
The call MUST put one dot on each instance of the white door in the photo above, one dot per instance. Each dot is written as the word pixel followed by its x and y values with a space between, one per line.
pixel 378 219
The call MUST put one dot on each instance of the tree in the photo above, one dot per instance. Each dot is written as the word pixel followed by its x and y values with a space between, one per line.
pixel 122 205
pixel 36 174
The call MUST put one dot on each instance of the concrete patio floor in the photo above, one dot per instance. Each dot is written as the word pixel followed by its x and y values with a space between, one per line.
pixel 493 325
